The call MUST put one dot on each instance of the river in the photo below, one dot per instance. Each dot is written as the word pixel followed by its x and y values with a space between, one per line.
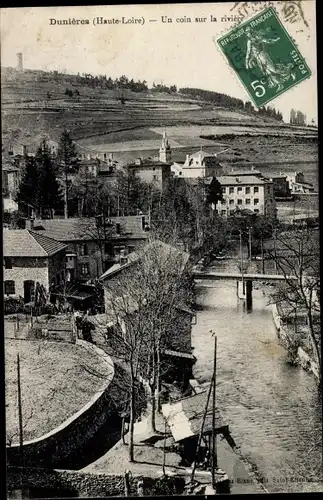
pixel 272 408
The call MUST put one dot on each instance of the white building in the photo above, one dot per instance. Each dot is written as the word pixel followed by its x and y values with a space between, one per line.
pixel 246 192
pixel 199 164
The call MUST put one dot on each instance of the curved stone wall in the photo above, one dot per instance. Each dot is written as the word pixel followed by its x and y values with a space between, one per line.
pixel 61 446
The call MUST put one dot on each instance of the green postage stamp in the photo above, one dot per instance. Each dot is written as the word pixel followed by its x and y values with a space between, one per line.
pixel 264 57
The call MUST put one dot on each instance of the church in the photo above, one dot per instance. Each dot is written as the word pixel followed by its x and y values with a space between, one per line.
pixel 156 171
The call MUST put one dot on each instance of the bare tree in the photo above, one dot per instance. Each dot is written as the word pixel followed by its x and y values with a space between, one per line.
pixel 99 230
pixel 296 256
pixel 144 303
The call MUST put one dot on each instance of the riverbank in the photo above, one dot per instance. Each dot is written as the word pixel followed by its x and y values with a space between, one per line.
pixel 149 460
pixel 295 339
pixel 272 407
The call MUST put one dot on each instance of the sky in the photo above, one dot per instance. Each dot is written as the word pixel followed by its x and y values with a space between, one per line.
pixel 180 53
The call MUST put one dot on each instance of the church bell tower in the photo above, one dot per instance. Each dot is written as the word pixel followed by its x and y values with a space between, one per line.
pixel 165 152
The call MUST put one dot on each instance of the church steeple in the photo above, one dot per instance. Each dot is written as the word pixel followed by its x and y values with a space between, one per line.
pixel 165 152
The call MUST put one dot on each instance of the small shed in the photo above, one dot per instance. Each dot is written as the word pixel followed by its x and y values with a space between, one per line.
pixel 185 417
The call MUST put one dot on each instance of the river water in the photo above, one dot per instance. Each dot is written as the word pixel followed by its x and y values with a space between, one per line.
pixel 272 408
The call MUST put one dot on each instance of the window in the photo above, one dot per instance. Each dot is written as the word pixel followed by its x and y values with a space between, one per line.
pixel 117 250
pixel 247 201
pixel 7 263
pixel 256 211
pixel 231 212
pixel 85 269
pixel 9 287
pixel 223 202
pixel 155 177
pixel 239 189
pixel 247 190
pixel 223 212
pixel 231 202
pixel 256 189
pixel 131 248
pixel 83 249
pixel 239 201
pixel 108 248
pixel 231 190
pixel 256 201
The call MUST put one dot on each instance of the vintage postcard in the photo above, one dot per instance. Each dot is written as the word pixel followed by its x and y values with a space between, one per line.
pixel 161 260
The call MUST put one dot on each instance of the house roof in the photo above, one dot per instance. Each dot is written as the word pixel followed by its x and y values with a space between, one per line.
pixel 135 256
pixel 247 180
pixel 242 172
pixel 8 166
pixel 78 229
pixel 148 162
pixel 185 417
pixel 202 154
pixel 27 243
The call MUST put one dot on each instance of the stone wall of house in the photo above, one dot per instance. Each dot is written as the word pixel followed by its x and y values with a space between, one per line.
pixel 61 447
pixel 56 267
pixel 23 269
pixel 83 484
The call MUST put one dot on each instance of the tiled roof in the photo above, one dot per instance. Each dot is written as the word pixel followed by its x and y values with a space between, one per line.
pixel 27 243
pixel 231 180
pixel 155 245
pixel 185 416
pixel 243 172
pixel 76 229
pixel 7 166
pixel 148 162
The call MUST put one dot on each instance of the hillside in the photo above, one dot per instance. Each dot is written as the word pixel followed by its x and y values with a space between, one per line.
pixel 31 107
pixel 129 123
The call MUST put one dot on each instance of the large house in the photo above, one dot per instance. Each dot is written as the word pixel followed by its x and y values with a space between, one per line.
pixel 280 182
pixel 93 245
pixel 199 164
pixel 246 192
pixel 297 183
pixel 11 177
pixel 31 258
pixel 156 171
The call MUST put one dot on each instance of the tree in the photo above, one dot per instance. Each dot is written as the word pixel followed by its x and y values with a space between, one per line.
pixel 143 304
pixel 39 188
pixel 67 162
pixel 214 193
pixel 28 189
pixel 47 187
pixel 99 230
pixel 297 257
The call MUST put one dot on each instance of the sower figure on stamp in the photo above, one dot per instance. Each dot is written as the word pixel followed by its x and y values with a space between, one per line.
pixel 257 56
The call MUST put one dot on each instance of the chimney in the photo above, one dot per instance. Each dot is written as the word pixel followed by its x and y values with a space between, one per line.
pixel 24 150
pixel 118 227
pixel 143 222
pixel 138 161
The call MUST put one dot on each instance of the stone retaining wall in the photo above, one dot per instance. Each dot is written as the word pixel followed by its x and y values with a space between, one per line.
pixel 302 357
pixel 60 447
pixel 83 484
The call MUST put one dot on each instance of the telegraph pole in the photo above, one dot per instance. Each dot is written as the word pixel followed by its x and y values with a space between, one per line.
pixel 241 257
pixel 21 437
pixel 250 245
pixel 214 448
pixel 262 253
